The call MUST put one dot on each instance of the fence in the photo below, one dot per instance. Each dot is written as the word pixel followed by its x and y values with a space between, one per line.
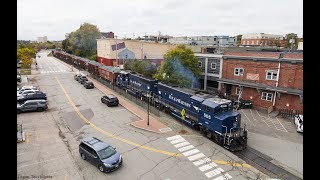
pixel 289 113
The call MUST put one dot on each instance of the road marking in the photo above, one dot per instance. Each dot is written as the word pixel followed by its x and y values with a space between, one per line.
pixel 181 144
pixel 109 134
pixel 202 161
pixel 177 141
pixel 191 152
pixel 186 148
pixel 223 177
pixel 214 172
pixel 27 137
pixel 232 163
pixel 207 166
pixel 174 137
pixel 197 156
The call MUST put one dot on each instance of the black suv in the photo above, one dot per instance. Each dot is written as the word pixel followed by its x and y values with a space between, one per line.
pixel 32 96
pixel 88 84
pixel 100 154
pixel 110 100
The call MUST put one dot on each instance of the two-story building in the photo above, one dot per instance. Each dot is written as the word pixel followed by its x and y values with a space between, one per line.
pixel 114 52
pixel 210 65
pixel 269 79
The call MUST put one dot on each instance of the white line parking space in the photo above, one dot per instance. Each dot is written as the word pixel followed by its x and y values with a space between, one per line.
pixel 203 163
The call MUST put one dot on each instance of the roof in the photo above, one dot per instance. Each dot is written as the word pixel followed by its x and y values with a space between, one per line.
pixel 97 144
pixel 142 76
pixel 214 102
pixel 263 59
pixel 110 68
pixel 262 86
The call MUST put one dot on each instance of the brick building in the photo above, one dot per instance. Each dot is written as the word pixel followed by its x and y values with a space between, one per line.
pixel 271 80
pixel 262 40
pixel 114 52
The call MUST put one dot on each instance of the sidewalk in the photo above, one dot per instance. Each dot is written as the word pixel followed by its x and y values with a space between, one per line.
pixel 154 124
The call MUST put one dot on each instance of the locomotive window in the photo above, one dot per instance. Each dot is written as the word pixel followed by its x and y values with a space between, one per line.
pixel 224 107
pixel 207 108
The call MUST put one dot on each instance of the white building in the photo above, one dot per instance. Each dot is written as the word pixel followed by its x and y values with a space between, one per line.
pixel 204 40
pixel 300 46
pixel 42 39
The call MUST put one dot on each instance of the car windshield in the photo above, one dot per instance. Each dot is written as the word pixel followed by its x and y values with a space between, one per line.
pixel 107 152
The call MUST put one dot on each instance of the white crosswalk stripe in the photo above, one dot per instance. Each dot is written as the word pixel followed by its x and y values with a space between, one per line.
pixel 191 152
pixel 214 172
pixel 181 144
pixel 198 159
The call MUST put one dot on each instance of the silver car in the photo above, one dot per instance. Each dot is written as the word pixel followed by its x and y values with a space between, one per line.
pixel 32 105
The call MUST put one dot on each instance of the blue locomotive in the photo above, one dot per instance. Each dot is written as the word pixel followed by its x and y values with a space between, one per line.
pixel 213 116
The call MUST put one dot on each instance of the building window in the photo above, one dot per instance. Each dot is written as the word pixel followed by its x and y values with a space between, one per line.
pixel 252 43
pixel 199 63
pixel 213 65
pixel 266 96
pixel 271 75
pixel 238 89
pixel 238 71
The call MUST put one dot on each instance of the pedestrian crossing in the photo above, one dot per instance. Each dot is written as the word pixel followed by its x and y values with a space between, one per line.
pixel 49 72
pixel 203 163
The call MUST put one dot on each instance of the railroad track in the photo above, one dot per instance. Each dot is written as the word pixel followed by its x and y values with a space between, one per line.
pixel 263 163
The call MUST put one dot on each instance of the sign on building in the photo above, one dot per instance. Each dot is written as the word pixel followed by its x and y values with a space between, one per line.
pixel 251 76
pixel 120 46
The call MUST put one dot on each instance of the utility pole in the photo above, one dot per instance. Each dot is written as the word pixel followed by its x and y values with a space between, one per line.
pixel 142 50
pixel 148 106
pixel 116 50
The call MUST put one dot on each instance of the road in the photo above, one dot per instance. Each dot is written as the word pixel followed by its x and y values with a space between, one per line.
pixel 53 136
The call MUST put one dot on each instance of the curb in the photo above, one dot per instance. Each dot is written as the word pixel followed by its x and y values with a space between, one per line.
pixel 144 129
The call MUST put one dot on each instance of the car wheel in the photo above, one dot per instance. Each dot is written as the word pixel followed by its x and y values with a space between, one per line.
pixel 102 101
pixel 83 157
pixel 101 168
pixel 40 109
pixel 18 111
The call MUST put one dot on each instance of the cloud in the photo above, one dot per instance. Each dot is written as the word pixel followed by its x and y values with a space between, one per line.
pixel 54 18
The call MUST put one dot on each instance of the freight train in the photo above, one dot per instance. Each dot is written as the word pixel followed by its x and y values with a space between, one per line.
pixel 210 114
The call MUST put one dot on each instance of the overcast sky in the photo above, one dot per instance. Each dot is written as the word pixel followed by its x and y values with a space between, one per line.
pixel 55 18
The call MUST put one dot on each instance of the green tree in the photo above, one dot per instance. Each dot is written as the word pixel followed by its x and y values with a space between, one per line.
pixel 26 55
pixel 83 42
pixel 239 37
pixel 290 45
pixel 179 67
pixel 141 66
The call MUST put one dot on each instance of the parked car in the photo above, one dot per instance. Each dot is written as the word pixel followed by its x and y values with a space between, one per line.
pixel 82 79
pixel 26 92
pixel 36 95
pixel 100 154
pixel 110 100
pixel 88 84
pixel 32 105
pixel 26 88
pixel 298 120
pixel 76 77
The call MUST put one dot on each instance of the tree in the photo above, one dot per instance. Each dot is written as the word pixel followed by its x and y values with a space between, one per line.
pixel 83 42
pixel 26 55
pixel 294 44
pixel 141 66
pixel 180 67
pixel 239 37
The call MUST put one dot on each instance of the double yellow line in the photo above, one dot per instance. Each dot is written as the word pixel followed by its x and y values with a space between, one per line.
pixel 109 134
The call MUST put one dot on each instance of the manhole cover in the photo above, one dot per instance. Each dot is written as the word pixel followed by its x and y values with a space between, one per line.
pixel 165 130
pixel 78 105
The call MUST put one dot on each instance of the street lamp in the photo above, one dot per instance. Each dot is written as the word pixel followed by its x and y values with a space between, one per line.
pixel 148 96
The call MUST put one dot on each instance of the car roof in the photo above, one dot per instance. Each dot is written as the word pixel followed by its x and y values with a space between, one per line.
pixel 111 96
pixel 95 143
pixel 36 100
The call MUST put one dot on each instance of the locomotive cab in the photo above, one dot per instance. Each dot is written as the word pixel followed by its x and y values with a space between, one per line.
pixel 220 123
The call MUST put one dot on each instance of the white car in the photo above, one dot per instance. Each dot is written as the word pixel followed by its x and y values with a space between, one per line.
pixel 25 92
pixel 26 88
pixel 298 120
